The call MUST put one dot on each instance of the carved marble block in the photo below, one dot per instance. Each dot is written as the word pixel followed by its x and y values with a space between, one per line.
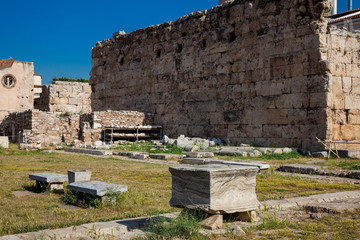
pixel 215 188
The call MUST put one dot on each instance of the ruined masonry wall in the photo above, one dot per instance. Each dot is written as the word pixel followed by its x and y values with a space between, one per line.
pixel 99 120
pixel 65 97
pixel 344 99
pixel 245 71
pixel 38 129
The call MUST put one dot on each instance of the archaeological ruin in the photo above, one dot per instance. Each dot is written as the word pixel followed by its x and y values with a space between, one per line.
pixel 65 97
pixel 265 72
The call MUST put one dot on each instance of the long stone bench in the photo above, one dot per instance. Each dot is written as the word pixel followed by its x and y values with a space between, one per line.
pixel 54 181
pixel 97 188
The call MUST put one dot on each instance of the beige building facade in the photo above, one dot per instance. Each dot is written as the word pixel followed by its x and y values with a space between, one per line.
pixel 17 86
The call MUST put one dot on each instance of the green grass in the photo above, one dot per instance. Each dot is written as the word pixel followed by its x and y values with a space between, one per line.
pixel 267 156
pixel 329 227
pixel 149 148
pixel 272 185
pixel 185 226
pixel 149 190
pixel 271 220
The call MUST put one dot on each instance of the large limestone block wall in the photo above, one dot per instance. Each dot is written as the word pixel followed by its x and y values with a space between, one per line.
pixel 21 96
pixel 344 99
pixel 70 97
pixel 245 71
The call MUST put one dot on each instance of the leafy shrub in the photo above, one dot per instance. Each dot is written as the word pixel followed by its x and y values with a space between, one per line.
pixel 65 79
pixel 81 199
pixel 185 226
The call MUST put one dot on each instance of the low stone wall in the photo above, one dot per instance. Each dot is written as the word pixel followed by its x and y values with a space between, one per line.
pixel 121 118
pixel 65 97
pixel 38 129
pixel 100 119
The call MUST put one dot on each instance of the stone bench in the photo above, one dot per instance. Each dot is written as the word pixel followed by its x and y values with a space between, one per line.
pixel 216 189
pixel 97 188
pixel 54 181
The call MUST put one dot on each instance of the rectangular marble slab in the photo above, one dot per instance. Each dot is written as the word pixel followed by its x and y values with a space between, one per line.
pixel 97 188
pixel 215 188
pixel 89 151
pixel 49 177
pixel 4 142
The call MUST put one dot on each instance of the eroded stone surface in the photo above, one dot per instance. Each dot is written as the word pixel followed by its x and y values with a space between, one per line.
pixel 165 156
pixel 202 161
pixel 199 154
pixel 79 175
pixel 97 188
pixel 89 151
pixel 49 177
pixel 213 222
pixel 215 188
pixel 4 141
pixel 320 170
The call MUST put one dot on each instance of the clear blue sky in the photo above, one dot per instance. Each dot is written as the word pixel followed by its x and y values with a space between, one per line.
pixel 57 35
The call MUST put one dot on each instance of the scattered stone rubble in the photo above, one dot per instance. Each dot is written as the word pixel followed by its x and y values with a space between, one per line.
pixel 320 170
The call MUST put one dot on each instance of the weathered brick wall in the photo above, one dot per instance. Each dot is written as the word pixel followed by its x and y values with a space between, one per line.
pixel 344 99
pixel 70 97
pixel 245 71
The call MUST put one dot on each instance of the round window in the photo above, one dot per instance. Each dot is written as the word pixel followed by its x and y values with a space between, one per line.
pixel 8 81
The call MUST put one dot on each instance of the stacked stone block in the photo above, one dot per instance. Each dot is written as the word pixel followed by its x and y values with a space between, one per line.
pixel 245 71
pixel 344 97
pixel 65 97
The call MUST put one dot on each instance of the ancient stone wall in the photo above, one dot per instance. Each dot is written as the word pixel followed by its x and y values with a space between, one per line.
pixel 38 128
pixel 101 119
pixel 343 53
pixel 245 71
pixel 65 97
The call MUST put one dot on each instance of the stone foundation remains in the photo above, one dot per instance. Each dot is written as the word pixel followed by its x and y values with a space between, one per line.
pixel 36 129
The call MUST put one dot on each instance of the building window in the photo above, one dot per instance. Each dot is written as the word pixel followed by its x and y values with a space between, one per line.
pixel 8 81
